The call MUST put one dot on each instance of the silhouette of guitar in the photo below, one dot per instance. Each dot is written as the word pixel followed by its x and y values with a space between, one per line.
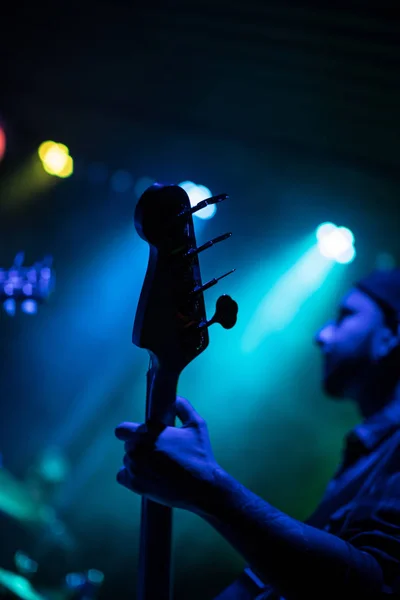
pixel 171 324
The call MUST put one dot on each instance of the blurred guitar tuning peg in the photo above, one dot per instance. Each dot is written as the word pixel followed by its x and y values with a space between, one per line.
pixel 210 283
pixel 194 251
pixel 225 313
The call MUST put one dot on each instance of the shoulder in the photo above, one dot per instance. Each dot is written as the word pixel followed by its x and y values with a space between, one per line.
pixel 390 455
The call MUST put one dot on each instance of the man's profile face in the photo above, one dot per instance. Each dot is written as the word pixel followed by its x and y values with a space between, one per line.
pixel 348 344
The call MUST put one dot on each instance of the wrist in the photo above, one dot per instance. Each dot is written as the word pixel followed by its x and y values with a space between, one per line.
pixel 216 490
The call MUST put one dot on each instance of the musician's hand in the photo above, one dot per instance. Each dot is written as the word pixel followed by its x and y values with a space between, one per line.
pixel 172 465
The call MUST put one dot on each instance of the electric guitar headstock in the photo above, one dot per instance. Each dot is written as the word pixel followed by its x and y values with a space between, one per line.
pixel 171 317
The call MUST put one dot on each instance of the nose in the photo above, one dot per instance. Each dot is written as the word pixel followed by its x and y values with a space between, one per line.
pixel 324 336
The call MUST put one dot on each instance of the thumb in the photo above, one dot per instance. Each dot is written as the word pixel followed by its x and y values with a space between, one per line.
pixel 186 413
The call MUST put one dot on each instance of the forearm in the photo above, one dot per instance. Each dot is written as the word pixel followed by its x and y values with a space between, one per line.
pixel 290 555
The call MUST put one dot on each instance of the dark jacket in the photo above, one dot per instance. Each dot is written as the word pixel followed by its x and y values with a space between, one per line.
pixel 361 505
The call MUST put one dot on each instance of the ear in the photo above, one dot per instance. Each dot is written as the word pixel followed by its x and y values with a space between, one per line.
pixel 388 341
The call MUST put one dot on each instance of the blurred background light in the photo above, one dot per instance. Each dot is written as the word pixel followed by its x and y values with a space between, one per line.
pixel 75 580
pixel 385 261
pixel 187 186
pixel 282 302
pixel 336 243
pixel 142 184
pixel 346 256
pixel 56 159
pixel 347 234
pixel 9 306
pixel 95 576
pixel 121 181
pixel 2 143
pixel 27 289
pixel 324 230
pixel 53 465
pixel 29 307
pixel 196 194
pixel 24 563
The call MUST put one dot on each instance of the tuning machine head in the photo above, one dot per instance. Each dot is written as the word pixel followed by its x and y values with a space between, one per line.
pixel 226 311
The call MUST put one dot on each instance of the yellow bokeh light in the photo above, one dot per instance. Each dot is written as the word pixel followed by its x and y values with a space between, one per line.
pixel 56 159
pixel 68 168
pixel 45 147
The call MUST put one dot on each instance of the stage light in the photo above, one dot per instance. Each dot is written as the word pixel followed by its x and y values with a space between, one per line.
pixel 25 564
pixel 95 576
pixel 2 143
pixel 202 193
pixel 324 230
pixel 347 256
pixel 56 159
pixel 10 306
pixel 187 186
pixel 299 275
pixel 27 289
pixel 75 580
pixel 347 234
pixel 26 286
pixel 44 148
pixel 29 307
pixel 336 243
pixel 196 194
pixel 52 465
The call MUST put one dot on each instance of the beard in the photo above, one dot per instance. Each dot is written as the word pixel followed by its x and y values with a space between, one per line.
pixel 343 379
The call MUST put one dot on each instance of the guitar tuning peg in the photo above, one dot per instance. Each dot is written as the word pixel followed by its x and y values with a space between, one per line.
pixel 203 204
pixel 210 283
pixel 195 251
pixel 226 311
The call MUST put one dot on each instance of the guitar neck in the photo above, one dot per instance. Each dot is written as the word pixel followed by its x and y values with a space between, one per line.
pixel 171 323
pixel 155 562
pixel 162 385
